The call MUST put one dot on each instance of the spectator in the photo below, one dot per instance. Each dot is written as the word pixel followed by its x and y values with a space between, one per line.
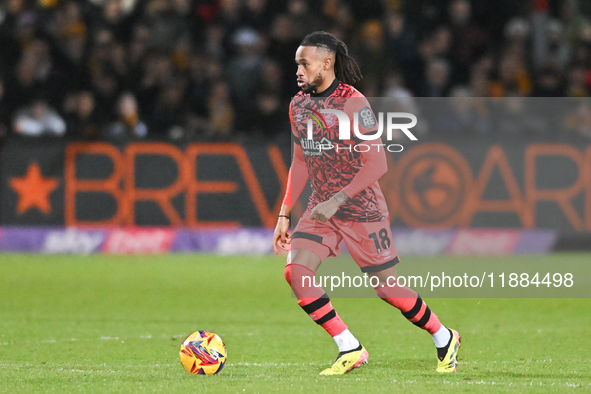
pixel 548 83
pixel 282 47
pixel 512 80
pixel 26 29
pixel 93 50
pixel 199 84
pixel 39 119
pixel 221 113
pixel 469 40
pixel 244 71
pixel 40 72
pixel 81 115
pixel 575 85
pixel 340 14
pixel 257 14
pixel 417 70
pixel 229 14
pixel 516 36
pixel 582 52
pixel 401 40
pixel 118 19
pixel 12 12
pixel 70 31
pixel 270 119
pixel 551 47
pixel 302 19
pixel 214 42
pixel 479 77
pixel 394 85
pixel 168 21
pixel 442 42
pixel 128 124
pixel 158 71
pixel 140 42
pixel 170 109
pixel 105 87
pixel 573 18
pixel 437 78
pixel 372 57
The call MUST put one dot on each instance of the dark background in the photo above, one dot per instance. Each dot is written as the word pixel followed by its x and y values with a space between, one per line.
pixel 188 71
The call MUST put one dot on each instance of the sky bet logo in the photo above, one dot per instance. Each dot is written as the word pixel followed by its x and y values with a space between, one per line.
pixel 366 118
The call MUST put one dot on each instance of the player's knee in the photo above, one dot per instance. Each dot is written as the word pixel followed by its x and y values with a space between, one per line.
pixel 287 273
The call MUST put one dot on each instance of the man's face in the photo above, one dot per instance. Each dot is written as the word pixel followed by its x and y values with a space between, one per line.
pixel 312 64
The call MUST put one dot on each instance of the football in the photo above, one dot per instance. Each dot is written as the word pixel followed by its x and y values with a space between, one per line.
pixel 203 353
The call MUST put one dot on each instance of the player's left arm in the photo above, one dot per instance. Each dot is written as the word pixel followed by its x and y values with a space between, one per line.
pixel 297 179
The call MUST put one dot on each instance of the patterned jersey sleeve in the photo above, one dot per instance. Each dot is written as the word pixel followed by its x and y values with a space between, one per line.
pixel 358 106
pixel 294 137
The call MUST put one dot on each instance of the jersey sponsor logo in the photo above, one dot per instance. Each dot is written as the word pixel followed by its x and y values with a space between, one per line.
pixel 315 148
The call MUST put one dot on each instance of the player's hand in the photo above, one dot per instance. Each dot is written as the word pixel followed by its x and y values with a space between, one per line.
pixel 325 210
pixel 281 239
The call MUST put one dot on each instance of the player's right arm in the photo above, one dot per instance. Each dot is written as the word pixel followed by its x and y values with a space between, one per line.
pixel 296 182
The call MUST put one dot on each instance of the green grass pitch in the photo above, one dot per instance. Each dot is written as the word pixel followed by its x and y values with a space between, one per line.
pixel 97 324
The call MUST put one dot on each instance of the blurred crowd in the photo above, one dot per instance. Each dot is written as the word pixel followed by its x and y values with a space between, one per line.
pixel 224 69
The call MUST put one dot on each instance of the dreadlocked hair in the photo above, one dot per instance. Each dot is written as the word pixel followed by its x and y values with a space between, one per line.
pixel 345 68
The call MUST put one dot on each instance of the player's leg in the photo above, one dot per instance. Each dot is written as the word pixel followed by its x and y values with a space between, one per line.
pixel 412 307
pixel 311 244
pixel 300 274
pixel 371 247
pixel 316 303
